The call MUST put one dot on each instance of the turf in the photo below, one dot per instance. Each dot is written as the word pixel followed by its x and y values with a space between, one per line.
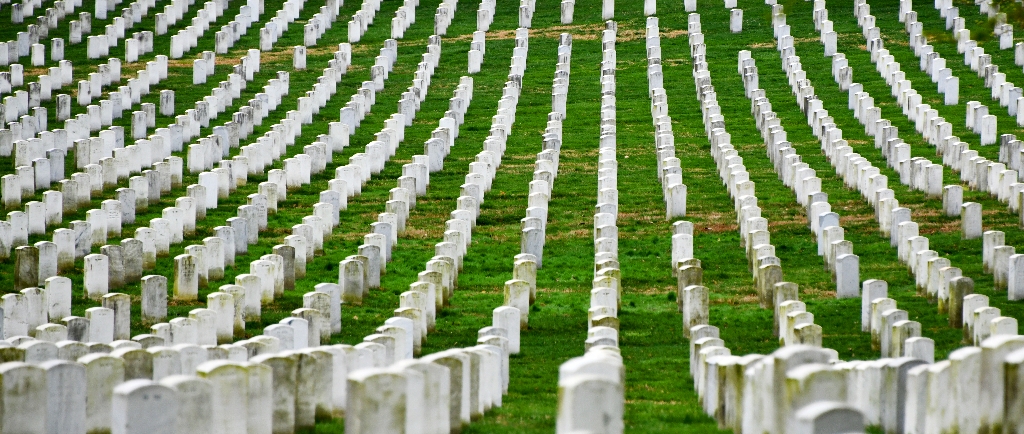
pixel 659 393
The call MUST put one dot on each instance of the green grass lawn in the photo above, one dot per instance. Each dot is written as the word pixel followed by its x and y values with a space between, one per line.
pixel 659 391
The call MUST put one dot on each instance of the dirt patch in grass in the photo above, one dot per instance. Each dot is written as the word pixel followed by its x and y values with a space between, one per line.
pixel 350 236
pixel 944 228
pixel 584 32
pixel 34 72
pixel 714 222
pixel 814 292
pixel 422 234
pixel 720 228
pixel 918 210
pixel 650 402
pixel 735 300
pixel 676 62
pixel 364 48
pixel 281 54
pixel 581 32
pixel 649 290
pixel 569 235
pixel 863 219
pixel 627 35
pixel 806 40
pixel 898 42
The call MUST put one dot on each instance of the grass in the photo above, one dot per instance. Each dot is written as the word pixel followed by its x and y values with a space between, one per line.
pixel 659 395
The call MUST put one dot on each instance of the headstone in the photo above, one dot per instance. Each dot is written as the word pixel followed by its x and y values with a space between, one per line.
pixel 195 396
pixel 350 280
pixel 376 398
pixel 143 406
pixel 736 21
pixel 299 58
pixel 103 372
pixel 873 289
pixel 517 295
pixel 970 221
pixel 186 278
pixel 828 416
pixel 952 200
pixel 66 396
pixel 23 394
pixel 847 276
pixel 96 276
pixel 120 304
pixel 590 403
pixel 154 299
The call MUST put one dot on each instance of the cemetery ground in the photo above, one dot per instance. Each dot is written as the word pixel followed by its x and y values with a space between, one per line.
pixel 659 391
